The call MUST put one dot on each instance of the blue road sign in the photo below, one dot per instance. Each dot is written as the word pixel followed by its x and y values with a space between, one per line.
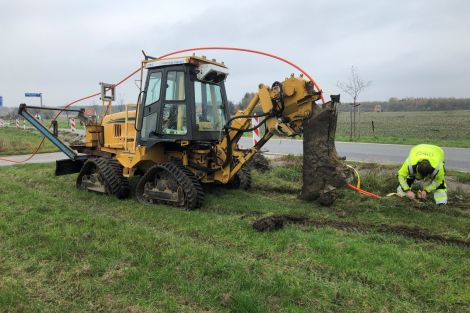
pixel 1 101
pixel 32 94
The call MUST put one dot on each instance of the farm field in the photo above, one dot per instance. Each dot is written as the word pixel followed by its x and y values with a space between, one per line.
pixel 449 129
pixel 63 123
pixel 62 250
pixel 18 141
pixel 444 128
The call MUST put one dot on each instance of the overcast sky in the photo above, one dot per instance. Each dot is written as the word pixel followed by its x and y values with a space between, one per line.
pixel 65 48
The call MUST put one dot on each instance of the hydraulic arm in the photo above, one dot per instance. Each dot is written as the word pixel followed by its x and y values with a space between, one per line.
pixel 284 107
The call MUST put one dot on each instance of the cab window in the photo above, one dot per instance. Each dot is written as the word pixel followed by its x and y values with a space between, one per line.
pixel 153 89
pixel 174 119
pixel 210 114
pixel 175 86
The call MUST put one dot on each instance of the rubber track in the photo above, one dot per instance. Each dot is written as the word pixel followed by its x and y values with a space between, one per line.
pixel 120 187
pixel 194 194
pixel 111 172
pixel 191 186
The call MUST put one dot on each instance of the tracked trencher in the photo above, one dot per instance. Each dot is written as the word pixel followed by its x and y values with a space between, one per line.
pixel 180 134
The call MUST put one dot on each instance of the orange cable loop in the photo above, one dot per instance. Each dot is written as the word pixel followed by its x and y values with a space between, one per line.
pixel 364 192
pixel 164 56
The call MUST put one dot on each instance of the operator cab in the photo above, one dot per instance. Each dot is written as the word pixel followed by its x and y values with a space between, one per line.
pixel 183 99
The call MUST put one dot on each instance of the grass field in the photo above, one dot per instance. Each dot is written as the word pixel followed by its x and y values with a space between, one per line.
pixel 62 250
pixel 18 141
pixel 448 129
pixel 63 123
pixel 444 128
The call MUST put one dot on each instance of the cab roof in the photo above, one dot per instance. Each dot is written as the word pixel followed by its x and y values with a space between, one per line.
pixel 195 60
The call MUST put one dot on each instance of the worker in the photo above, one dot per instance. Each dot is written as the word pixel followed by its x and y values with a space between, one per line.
pixel 424 161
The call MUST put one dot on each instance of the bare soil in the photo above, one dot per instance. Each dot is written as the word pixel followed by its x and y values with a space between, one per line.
pixel 276 222
pixel 260 163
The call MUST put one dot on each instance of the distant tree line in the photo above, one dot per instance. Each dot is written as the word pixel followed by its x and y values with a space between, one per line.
pixel 413 104
pixel 392 105
pixel 243 103
pixel 12 112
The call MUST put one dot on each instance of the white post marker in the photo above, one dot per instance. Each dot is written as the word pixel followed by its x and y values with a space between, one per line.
pixel 17 123
pixel 73 126
pixel 254 123
pixel 24 124
pixel 2 123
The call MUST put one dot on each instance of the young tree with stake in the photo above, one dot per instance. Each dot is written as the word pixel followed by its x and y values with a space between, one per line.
pixel 353 87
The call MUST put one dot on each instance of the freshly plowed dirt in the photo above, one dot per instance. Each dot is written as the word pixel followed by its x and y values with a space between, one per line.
pixel 72 138
pixel 278 221
pixel 279 189
pixel 260 163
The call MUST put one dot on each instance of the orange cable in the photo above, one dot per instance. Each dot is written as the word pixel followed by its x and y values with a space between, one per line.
pixel 164 56
pixel 364 192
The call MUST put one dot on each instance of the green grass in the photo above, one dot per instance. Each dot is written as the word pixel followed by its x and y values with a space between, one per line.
pixel 63 123
pixel 462 177
pixel 18 141
pixel 62 250
pixel 407 141
pixel 444 128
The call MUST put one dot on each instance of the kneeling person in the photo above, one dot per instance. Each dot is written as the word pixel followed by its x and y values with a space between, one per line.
pixel 424 161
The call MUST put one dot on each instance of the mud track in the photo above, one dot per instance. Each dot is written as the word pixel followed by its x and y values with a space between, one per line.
pixel 419 234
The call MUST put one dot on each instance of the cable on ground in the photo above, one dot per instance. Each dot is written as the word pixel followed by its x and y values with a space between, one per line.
pixel 358 185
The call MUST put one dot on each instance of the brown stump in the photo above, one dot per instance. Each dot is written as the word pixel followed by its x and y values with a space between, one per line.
pixel 323 171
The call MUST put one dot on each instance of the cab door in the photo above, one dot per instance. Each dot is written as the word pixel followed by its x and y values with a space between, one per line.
pixel 151 104
pixel 174 110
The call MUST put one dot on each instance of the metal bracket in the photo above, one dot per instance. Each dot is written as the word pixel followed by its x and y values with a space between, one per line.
pixel 104 92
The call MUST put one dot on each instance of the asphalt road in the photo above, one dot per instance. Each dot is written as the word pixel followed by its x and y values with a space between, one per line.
pixel 38 158
pixel 456 158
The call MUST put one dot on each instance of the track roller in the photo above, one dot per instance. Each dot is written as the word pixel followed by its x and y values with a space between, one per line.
pixel 170 183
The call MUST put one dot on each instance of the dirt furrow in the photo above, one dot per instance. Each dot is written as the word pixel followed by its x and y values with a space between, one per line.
pixel 279 221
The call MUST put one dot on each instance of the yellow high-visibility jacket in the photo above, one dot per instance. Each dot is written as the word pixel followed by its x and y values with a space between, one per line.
pixel 435 156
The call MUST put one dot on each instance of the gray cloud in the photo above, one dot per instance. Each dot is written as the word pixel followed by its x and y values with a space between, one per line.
pixel 65 48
